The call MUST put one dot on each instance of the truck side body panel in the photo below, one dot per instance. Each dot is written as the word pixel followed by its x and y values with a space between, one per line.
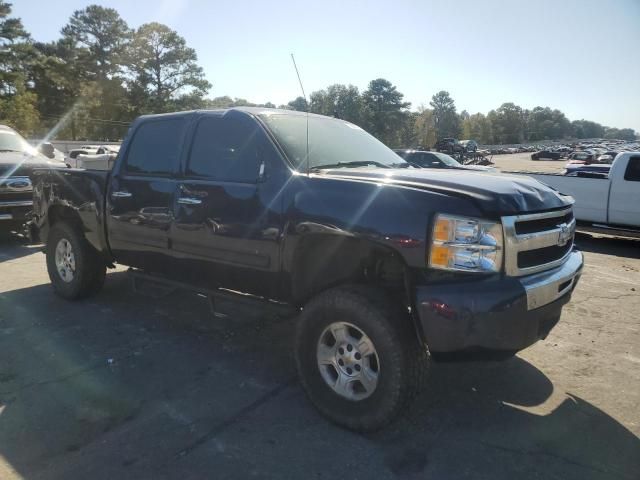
pixel 77 195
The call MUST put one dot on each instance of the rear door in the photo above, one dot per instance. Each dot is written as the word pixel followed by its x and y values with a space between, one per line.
pixel 141 192
pixel 227 225
pixel 624 198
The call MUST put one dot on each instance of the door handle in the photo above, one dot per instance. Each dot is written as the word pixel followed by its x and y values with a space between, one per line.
pixel 121 194
pixel 189 201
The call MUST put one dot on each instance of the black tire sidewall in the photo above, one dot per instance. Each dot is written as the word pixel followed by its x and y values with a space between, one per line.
pixel 85 274
pixel 381 406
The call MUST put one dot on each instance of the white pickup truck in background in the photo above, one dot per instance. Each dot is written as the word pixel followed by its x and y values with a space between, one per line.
pixel 607 204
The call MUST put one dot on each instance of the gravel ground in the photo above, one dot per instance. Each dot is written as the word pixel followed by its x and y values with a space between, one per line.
pixel 130 386
pixel 521 162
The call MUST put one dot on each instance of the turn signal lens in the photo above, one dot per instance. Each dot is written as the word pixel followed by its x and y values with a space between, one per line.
pixel 442 229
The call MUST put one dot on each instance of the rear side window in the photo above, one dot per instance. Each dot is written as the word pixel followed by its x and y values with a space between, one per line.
pixel 156 145
pixel 633 170
pixel 226 149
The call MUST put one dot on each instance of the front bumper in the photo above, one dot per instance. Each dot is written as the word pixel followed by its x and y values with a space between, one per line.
pixel 15 210
pixel 505 313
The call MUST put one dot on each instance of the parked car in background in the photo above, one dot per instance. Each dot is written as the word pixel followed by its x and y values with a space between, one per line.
pixel 469 146
pixel 83 150
pixel 101 158
pixel 605 158
pixel 582 157
pixel 448 145
pixel 426 159
pixel 575 169
pixel 17 161
pixel 380 262
pixel 546 154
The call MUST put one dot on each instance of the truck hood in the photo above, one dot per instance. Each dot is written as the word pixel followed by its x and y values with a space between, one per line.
pixel 495 194
pixel 22 164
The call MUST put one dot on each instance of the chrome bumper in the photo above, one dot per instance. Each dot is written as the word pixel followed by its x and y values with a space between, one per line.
pixel 546 287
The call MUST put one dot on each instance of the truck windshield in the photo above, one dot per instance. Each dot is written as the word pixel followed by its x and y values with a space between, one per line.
pixel 10 141
pixel 333 143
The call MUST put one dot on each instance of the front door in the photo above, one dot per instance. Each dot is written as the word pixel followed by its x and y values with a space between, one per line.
pixel 141 193
pixel 227 225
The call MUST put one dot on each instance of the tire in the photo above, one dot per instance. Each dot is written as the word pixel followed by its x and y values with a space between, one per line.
pixel 399 362
pixel 85 269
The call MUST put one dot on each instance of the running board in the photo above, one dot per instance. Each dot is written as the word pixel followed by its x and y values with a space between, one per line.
pixel 253 301
pixel 609 230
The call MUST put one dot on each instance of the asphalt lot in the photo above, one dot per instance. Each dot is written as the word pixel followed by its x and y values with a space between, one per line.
pixel 125 385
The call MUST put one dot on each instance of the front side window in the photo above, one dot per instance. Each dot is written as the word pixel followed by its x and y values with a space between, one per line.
pixel 156 146
pixel 226 149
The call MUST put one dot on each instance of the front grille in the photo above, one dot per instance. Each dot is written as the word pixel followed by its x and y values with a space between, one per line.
pixel 540 256
pixel 13 196
pixel 543 224
pixel 537 242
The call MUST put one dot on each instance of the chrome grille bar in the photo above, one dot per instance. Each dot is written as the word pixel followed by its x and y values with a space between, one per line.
pixel 514 243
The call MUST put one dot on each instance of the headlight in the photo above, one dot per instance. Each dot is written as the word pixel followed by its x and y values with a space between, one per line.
pixel 466 244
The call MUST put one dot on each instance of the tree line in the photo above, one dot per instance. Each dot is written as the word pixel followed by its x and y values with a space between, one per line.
pixel 100 74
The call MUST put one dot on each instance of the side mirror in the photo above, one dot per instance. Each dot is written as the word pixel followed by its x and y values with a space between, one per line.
pixel 47 149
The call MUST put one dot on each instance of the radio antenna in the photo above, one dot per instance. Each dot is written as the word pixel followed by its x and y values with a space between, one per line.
pixel 306 103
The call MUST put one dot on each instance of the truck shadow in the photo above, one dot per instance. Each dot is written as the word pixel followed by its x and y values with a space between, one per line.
pixel 126 386
pixel 14 246
pixel 620 247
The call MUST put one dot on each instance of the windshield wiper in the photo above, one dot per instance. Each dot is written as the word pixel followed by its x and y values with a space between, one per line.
pixel 359 163
pixel 10 150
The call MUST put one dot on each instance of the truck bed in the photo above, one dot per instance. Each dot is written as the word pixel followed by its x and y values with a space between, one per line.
pixel 591 194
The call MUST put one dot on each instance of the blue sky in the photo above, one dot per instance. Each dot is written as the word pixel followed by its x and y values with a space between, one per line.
pixel 578 56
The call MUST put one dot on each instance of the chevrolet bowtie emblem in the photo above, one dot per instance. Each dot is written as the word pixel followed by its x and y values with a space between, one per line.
pixel 565 234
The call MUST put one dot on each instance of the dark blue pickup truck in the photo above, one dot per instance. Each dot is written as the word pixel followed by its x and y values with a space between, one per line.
pixel 384 263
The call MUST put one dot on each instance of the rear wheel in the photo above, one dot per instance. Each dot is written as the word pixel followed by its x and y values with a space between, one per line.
pixel 75 268
pixel 358 357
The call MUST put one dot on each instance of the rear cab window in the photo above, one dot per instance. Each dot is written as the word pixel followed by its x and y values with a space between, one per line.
pixel 156 146
pixel 632 173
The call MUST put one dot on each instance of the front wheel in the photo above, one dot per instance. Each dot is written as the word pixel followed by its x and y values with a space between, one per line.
pixel 358 357
pixel 75 268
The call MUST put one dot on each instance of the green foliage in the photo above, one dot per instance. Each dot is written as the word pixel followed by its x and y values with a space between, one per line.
pixel 508 123
pixel 620 133
pixel 384 112
pixel 547 124
pixel 341 101
pixel 477 127
pixel 587 129
pixel 13 50
pixel 100 37
pixel 424 127
pixel 19 110
pixel 163 67
pixel 446 119
pixel 299 104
